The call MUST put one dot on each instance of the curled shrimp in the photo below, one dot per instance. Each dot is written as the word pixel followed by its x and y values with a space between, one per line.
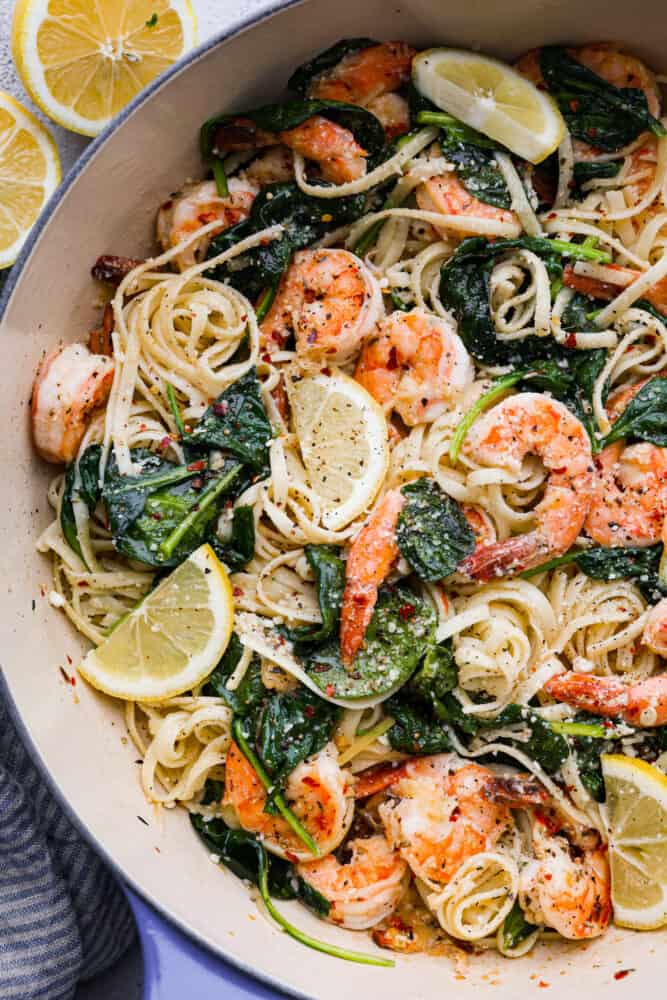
pixel 415 364
pixel 566 887
pixel 656 294
pixel 318 791
pixel 629 499
pixel 370 78
pixel 363 889
pixel 329 301
pixel 640 703
pixel 446 194
pixel 70 384
pixel 438 813
pixel 196 205
pixel 521 425
pixel 607 60
pixel 332 147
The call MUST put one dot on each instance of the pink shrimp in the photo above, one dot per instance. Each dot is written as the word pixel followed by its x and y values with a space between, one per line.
pixel 656 294
pixel 416 364
pixel 566 888
pixel 332 147
pixel 445 194
pixel 365 888
pixel 370 78
pixel 639 703
pixel 70 385
pixel 194 206
pixel 329 301
pixel 318 791
pixel 530 423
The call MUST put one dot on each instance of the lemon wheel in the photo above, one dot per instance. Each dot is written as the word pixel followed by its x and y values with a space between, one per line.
pixel 81 62
pixel 172 640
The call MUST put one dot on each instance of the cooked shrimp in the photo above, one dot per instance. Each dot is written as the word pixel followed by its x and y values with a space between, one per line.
pixel 329 301
pixel 642 703
pixel 415 364
pixel 521 425
pixel 194 206
pixel 319 793
pixel 70 384
pixel 608 61
pixel 363 889
pixel 629 498
pixel 482 526
pixel 275 165
pixel 371 557
pixel 370 78
pixel 446 194
pixel 334 148
pixel 566 887
pixel 438 814
pixel 656 294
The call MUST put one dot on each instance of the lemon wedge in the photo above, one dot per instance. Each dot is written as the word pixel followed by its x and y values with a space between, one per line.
pixel 491 97
pixel 636 810
pixel 344 443
pixel 29 174
pixel 81 62
pixel 172 640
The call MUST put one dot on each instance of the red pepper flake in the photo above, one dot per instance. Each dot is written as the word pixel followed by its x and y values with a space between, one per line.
pixel 266 357
pixel 197 466
pixel 571 340
pixel 310 782
pixel 392 362
pixel 574 106
pixel 187 428
pixel 560 470
pixel 330 690
pixel 455 813
pixel 291 857
pixel 542 984
pixel 237 592
pixel 309 711
pixel 326 371
pixel 551 215
pixel 69 659
pixel 407 611
pixel 592 131
pixel 622 973
pixel 220 409
pixel 165 442
pixel 66 676
pixel 72 680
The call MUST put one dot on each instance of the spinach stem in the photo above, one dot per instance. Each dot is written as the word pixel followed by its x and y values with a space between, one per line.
pixel 592 729
pixel 565 560
pixel 579 251
pixel 278 799
pixel 369 238
pixel 207 497
pixel 499 387
pixel 175 409
pixel 155 480
pixel 266 299
pixel 311 942
pixel 220 176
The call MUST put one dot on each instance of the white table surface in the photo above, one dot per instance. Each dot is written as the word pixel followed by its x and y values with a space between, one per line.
pixel 123 982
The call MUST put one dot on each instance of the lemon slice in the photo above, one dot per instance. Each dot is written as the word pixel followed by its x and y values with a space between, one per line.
pixel 344 444
pixel 82 61
pixel 636 808
pixel 172 640
pixel 491 97
pixel 29 174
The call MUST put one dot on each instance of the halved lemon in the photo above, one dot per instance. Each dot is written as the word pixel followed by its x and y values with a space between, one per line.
pixel 29 174
pixel 491 97
pixel 636 809
pixel 82 61
pixel 172 640
pixel 344 443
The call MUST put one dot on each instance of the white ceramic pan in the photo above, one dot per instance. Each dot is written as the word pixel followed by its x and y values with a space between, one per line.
pixel 107 205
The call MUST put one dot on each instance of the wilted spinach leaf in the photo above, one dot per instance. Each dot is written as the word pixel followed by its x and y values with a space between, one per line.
pixel 238 550
pixel 302 77
pixel 400 632
pixel 416 730
pixel 237 423
pixel 589 171
pixel 329 570
pixel 570 379
pixel 619 563
pixel 432 533
pixel 248 697
pixel 645 416
pixel 437 674
pixel 515 927
pixel 595 111
pixel 305 218
pixel 293 726
pixel 88 491
pixel 243 854
pixel 544 745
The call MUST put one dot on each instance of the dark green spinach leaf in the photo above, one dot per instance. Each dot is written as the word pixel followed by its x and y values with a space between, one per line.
pixel 88 491
pixel 645 416
pixel 248 697
pixel 416 730
pixel 238 550
pixel 400 632
pixel 595 111
pixel 432 533
pixel 329 570
pixel 641 564
pixel 590 171
pixel 515 927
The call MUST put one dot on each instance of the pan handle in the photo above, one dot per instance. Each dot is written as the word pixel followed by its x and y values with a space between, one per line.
pixel 176 968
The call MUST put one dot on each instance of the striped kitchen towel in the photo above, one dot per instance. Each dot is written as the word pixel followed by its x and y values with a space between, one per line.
pixel 63 917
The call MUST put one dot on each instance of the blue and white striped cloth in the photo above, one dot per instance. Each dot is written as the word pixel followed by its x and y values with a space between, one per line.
pixel 63 917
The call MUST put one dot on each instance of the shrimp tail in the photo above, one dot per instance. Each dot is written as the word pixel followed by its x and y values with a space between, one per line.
pixel 643 703
pixel 490 561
